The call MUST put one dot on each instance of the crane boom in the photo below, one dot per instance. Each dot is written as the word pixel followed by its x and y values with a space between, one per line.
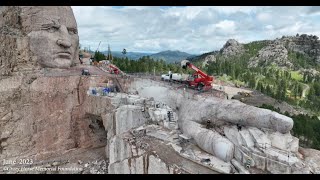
pixel 98 46
pixel 186 63
pixel 201 79
pixel 201 73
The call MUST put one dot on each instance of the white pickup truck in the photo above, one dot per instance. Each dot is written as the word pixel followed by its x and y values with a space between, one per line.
pixel 175 77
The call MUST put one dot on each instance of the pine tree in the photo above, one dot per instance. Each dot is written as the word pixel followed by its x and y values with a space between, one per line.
pixel 98 56
pixel 284 89
pixel 296 90
pixel 316 87
pixel 311 93
pixel 268 90
pixel 300 90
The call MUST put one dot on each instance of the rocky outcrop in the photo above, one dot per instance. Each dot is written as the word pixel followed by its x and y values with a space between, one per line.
pixel 277 50
pixel 215 109
pixel 208 59
pixel 312 158
pixel 232 48
pixel 305 44
pixel 127 156
pixel 274 53
pixel 265 150
pixel 259 138
pixel 146 150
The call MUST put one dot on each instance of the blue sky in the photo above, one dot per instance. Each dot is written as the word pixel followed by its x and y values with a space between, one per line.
pixel 192 29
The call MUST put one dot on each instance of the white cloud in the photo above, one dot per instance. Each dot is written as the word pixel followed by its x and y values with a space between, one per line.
pixel 226 26
pixel 269 27
pixel 192 29
pixel 264 17
pixel 235 9
pixel 222 28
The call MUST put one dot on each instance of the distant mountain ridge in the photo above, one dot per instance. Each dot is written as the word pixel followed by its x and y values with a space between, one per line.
pixel 129 55
pixel 171 56
pixel 168 56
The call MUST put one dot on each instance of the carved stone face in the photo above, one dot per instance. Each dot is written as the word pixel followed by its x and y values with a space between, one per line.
pixel 53 35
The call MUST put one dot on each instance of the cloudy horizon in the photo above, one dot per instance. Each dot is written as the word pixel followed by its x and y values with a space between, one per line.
pixel 194 29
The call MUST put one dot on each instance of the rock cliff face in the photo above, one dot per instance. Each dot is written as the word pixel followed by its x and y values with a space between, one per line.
pixel 45 116
pixel 275 53
pixel 208 59
pixel 263 141
pixel 232 48
pixel 15 52
pixel 268 52
pixel 305 44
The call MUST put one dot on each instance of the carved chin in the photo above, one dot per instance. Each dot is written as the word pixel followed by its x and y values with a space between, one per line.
pixel 56 63
pixel 62 63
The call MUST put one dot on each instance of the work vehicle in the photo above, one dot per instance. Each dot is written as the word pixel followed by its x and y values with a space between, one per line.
pixel 175 77
pixel 198 80
pixel 85 72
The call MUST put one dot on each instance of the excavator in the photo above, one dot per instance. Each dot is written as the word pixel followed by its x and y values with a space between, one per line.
pixel 199 80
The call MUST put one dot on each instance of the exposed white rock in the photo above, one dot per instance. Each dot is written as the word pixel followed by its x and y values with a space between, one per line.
pixel 276 167
pixel 215 108
pixel 284 141
pixel 121 167
pixel 272 53
pixel 207 160
pixel 246 138
pixel 138 165
pixel 260 139
pixel 157 114
pixel 119 150
pixel 209 140
pixel 208 59
pixel 123 119
pixel 312 159
pixel 157 166
pixel 239 167
pixel 263 140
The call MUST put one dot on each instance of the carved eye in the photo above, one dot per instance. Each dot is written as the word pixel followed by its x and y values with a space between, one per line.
pixel 72 31
pixel 53 29
pixel 50 27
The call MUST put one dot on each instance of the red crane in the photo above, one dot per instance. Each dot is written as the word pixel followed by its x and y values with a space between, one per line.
pixel 114 69
pixel 199 79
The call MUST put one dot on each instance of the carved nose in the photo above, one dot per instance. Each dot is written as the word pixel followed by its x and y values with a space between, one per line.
pixel 64 43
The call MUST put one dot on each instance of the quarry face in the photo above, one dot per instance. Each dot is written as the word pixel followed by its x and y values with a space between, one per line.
pixel 53 122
